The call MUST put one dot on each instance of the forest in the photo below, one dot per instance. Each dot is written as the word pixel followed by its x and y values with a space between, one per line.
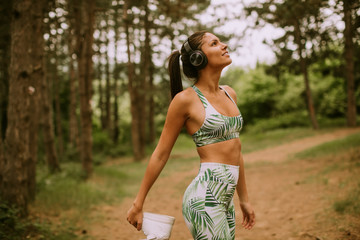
pixel 83 82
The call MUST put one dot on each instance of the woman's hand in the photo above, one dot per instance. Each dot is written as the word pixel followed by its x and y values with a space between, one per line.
pixel 135 217
pixel 248 215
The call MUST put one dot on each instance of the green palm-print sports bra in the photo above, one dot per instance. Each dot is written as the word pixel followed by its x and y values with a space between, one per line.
pixel 216 127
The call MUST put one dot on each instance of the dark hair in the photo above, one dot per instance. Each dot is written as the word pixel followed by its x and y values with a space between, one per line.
pixel 190 71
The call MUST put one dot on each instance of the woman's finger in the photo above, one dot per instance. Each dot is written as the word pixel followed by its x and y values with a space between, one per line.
pixel 139 226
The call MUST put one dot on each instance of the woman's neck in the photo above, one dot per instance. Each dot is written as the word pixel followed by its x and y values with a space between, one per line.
pixel 209 80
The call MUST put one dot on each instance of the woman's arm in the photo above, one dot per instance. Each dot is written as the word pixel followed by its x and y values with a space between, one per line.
pixel 246 208
pixel 175 119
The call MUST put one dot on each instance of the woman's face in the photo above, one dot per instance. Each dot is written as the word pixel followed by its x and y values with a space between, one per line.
pixel 215 51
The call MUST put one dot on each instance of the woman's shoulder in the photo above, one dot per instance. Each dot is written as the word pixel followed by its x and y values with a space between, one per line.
pixel 186 96
pixel 184 99
pixel 230 90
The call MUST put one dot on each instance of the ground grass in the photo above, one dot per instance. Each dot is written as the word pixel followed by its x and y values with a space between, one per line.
pixel 352 141
pixel 67 198
pixel 253 140
pixel 342 159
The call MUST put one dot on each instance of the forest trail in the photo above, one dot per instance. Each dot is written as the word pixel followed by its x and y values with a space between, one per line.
pixel 289 203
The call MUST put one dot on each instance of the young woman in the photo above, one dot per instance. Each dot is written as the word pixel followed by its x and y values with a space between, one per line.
pixel 210 115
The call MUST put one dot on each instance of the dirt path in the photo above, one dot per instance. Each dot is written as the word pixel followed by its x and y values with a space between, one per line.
pixel 286 207
pixel 282 152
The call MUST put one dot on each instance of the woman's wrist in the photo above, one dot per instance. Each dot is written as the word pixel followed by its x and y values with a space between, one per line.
pixel 243 198
pixel 137 206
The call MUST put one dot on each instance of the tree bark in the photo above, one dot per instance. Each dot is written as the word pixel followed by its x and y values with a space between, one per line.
pixel 73 83
pixel 48 128
pixel 56 88
pixel 101 93
pixel 138 148
pixel 116 130
pixel 4 64
pixel 147 95
pixel 349 67
pixel 152 132
pixel 99 76
pixel 85 22
pixel 73 118
pixel 107 83
pixel 304 70
pixel 25 71
pixel 149 80
pixel 59 131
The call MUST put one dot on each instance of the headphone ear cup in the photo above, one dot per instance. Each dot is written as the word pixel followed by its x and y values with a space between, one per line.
pixel 198 59
pixel 205 61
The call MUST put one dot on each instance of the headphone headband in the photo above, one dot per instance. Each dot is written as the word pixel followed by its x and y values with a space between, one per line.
pixel 187 47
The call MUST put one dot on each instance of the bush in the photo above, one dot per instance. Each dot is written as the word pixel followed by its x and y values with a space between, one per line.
pixel 101 141
pixel 12 227
pixel 288 120
pixel 257 93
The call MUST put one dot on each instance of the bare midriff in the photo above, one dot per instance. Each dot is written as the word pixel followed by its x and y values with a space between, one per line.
pixel 226 152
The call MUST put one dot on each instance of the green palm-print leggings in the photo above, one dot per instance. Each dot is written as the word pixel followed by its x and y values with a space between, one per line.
pixel 208 207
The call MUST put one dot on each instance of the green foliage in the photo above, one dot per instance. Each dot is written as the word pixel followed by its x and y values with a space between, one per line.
pixel 257 92
pixel 291 98
pixel 270 103
pixel 12 227
pixel 282 121
pixel 267 104
pixel 101 140
pixel 104 146
pixel 329 91
pixel 299 21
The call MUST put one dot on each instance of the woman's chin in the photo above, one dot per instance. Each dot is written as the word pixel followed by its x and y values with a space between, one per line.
pixel 229 62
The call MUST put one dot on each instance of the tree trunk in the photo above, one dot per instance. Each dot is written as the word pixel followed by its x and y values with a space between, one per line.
pixel 38 76
pixel 349 68
pixel 85 21
pixel 116 130
pixel 56 87
pixel 4 64
pixel 73 118
pixel 99 74
pixel 148 67
pixel 152 133
pixel 145 78
pixel 304 70
pixel 108 84
pixel 74 140
pixel 48 128
pixel 138 148
pixel 46 113
pixel 17 161
pixel 101 94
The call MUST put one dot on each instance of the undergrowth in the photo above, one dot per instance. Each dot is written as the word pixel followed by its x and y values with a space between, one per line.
pixel 342 157
pixel 12 227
